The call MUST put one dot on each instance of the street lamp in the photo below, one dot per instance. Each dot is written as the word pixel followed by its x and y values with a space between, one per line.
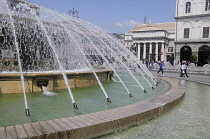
pixel 74 13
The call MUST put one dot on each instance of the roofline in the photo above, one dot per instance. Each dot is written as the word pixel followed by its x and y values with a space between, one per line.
pixel 150 31
pixel 130 31
pixel 192 16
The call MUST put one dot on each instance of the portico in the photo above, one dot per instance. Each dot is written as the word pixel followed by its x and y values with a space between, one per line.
pixel 150 51
pixel 152 42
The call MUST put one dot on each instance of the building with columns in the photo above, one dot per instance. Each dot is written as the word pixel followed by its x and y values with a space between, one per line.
pixel 192 30
pixel 152 42
pixel 180 40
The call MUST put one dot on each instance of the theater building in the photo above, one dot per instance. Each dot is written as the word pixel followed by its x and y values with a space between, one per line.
pixel 152 42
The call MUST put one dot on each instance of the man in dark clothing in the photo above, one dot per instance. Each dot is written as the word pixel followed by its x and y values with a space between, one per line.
pixel 161 67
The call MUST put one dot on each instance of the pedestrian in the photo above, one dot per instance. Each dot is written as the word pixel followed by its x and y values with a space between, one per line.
pixel 161 67
pixel 184 67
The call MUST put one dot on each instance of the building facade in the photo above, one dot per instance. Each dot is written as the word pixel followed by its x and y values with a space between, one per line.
pixel 192 30
pixel 181 40
pixel 152 42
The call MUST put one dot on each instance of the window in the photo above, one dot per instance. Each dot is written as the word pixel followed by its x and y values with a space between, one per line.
pixel 170 49
pixel 207 7
pixel 188 7
pixel 186 32
pixel 205 32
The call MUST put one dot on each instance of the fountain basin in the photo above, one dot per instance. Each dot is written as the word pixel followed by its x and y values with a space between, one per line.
pixel 98 123
pixel 11 83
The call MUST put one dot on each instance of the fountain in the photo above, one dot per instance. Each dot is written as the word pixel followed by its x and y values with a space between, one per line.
pixel 156 66
pixel 192 67
pixel 178 67
pixel 206 67
pixel 44 51
pixel 37 42
pixel 167 65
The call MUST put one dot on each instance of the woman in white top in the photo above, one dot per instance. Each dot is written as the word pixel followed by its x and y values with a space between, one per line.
pixel 184 69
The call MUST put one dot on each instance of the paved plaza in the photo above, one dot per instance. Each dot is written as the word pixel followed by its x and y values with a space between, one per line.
pixel 189 119
pixel 198 75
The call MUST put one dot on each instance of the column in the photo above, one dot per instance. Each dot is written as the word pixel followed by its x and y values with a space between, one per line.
pixel 156 52
pixel 144 54
pixel 138 54
pixel 162 52
pixel 150 51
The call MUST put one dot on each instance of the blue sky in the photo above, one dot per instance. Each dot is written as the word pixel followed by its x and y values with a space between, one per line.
pixel 116 16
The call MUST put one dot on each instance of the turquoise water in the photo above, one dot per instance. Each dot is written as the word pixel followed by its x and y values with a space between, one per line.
pixel 89 99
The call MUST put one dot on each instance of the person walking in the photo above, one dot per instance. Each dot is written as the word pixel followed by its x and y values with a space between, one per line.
pixel 184 68
pixel 161 67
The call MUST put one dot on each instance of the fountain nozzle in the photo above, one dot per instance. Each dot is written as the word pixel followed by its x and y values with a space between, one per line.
pixel 130 95
pixel 75 106
pixel 145 91
pixel 109 100
pixel 153 87
pixel 27 112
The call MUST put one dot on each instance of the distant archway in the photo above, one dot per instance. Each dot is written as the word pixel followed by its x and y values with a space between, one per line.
pixel 185 53
pixel 203 55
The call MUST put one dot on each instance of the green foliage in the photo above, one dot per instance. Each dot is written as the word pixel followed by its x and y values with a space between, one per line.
pixel 193 58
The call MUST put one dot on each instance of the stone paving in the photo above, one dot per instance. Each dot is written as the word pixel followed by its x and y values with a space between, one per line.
pixel 190 119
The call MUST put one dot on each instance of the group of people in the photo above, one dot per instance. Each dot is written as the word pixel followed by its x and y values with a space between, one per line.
pixel 183 68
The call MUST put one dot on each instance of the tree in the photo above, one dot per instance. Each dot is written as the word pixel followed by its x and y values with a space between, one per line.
pixel 193 58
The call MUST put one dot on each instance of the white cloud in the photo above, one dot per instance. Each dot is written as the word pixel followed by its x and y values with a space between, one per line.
pixel 119 24
pixel 130 23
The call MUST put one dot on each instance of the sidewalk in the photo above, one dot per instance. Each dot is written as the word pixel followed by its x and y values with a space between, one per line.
pixel 196 70
pixel 193 76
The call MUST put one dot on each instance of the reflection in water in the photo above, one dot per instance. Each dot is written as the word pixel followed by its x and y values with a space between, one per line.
pixel 189 119
pixel 183 82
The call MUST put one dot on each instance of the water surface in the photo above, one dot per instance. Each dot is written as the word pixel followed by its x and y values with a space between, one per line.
pixel 89 99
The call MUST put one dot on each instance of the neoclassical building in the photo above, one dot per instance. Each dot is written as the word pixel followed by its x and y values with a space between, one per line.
pixel 192 30
pixel 152 42
pixel 179 40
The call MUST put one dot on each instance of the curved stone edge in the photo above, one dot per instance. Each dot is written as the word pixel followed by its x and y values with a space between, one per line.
pixel 98 123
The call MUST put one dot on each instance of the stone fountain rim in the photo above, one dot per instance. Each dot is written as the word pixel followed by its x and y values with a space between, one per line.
pixel 99 123
pixel 51 73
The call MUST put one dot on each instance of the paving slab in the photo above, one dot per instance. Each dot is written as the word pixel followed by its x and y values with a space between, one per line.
pixel 10 132
pixel 21 133
pixel 2 133
pixel 30 131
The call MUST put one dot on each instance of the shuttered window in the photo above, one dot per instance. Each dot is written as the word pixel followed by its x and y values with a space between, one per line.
pixel 188 7
pixel 207 7
pixel 205 32
pixel 186 32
